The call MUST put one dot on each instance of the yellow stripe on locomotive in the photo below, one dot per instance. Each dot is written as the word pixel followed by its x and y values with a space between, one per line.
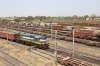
pixel 36 42
pixel 23 39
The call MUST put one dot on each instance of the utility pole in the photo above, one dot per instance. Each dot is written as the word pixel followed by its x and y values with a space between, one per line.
pixel 18 24
pixel 7 31
pixel 73 41
pixel 7 27
pixel 56 47
pixel 51 30
pixel 39 26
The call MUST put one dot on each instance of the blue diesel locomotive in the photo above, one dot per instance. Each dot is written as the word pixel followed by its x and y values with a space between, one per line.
pixel 31 39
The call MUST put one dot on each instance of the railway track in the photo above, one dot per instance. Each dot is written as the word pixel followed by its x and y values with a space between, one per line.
pixel 20 46
pixel 8 63
pixel 66 52
pixel 11 60
pixel 80 55
pixel 42 53
pixel 39 32
pixel 62 50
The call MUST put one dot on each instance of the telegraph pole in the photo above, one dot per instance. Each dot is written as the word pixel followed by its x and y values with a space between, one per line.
pixel 51 30
pixel 73 41
pixel 7 35
pixel 56 47
pixel 7 31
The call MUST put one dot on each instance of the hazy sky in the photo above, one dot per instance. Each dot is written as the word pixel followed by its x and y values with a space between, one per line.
pixel 49 7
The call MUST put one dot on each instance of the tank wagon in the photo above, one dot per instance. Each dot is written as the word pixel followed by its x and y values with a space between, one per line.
pixel 29 39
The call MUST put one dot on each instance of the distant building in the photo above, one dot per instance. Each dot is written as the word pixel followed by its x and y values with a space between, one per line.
pixel 87 18
pixel 96 18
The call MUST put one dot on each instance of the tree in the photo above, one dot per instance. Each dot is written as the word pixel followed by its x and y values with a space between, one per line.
pixel 80 18
pixel 37 17
pixel 68 18
pixel 75 17
pixel 99 16
pixel 48 18
pixel 92 16
pixel 5 20
pixel 40 18
pixel 86 16
pixel 17 19
pixel 29 18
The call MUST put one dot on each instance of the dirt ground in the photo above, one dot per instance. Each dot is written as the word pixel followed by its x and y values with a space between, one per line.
pixel 23 55
pixel 1 63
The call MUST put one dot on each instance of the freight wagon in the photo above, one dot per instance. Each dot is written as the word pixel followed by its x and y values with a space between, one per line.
pixel 10 35
pixel 82 35
pixel 57 27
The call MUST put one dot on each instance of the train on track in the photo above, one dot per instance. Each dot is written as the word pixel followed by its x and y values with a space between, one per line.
pixel 29 39
pixel 88 36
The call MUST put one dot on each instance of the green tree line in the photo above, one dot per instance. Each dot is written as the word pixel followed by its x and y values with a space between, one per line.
pixel 45 18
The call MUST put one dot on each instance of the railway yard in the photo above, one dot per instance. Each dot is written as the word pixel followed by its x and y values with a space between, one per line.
pixel 16 52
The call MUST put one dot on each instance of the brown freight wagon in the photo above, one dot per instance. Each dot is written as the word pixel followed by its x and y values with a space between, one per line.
pixel 86 30
pixel 57 27
pixel 94 33
pixel 84 35
pixel 11 36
